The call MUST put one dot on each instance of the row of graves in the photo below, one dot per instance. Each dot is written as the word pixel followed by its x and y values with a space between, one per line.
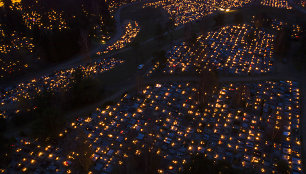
pixel 131 30
pixel 235 49
pixel 185 11
pixel 251 125
pixel 55 81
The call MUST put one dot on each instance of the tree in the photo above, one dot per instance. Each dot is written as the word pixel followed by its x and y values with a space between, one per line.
pixel 85 151
pixel 282 42
pixel 140 82
pixel 161 58
pixel 77 76
pixel 7 4
pixel 3 124
pixel 208 83
pixel 192 40
pixel 49 122
pixel 283 167
pixel 81 16
pixel 187 31
pixel 59 45
pixel 84 44
pixel 171 24
pixel 240 94
pixel 88 90
pixel 251 36
pixel 147 162
pixel 5 151
pixel 78 142
pixel 105 12
pixel 199 164
pixel 224 166
pixel 46 117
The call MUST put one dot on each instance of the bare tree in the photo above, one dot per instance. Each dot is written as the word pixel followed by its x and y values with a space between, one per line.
pixel 78 142
pixel 206 87
pixel 84 44
pixel 240 95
